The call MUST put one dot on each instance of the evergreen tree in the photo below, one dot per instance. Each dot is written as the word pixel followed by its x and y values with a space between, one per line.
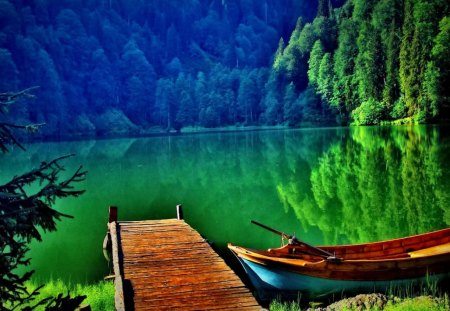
pixel 291 113
pixel 136 71
pixel 315 58
pixel 26 206
pixel 248 98
pixel 272 102
pixel 187 111
pixel 164 112
pixel 278 63
pixel 101 91
pixel 408 82
pixel 344 90
pixel 52 99
pixel 438 73
pixel 8 69
pixel 368 64
pixel 322 8
pixel 325 78
pixel 391 88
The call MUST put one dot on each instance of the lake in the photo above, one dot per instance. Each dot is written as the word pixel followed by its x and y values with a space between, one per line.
pixel 327 185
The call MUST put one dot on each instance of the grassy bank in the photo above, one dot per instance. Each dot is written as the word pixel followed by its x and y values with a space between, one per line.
pixel 100 296
pixel 393 303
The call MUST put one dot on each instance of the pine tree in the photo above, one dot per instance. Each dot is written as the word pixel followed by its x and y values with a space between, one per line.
pixel 368 63
pixel 290 111
pixel 344 90
pixel 438 72
pixel 407 70
pixel 26 209
pixel 322 8
pixel 278 62
pixel 315 58
pixel 325 78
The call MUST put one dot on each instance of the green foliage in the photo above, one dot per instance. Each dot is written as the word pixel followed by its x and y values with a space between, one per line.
pixel 369 113
pixel 344 89
pixel 291 112
pixel 99 296
pixel 317 53
pixel 125 56
pixel 278 62
pixel 322 9
pixel 284 306
pixel 341 192
pixel 26 209
pixel 419 303
pixel 422 303
pixel 438 73
pixel 376 60
pixel 325 78
pixel 121 55
pixel 399 109
pixel 368 64
pixel 9 69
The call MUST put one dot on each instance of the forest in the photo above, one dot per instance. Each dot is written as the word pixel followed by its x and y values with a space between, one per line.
pixel 120 67
pixel 372 61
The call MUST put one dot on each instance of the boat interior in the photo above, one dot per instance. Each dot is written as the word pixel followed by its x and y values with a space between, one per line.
pixel 428 244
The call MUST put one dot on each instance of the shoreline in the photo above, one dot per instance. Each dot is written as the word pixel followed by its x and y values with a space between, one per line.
pixel 36 138
pixel 159 132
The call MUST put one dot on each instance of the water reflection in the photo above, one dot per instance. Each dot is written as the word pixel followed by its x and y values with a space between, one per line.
pixel 331 186
pixel 378 183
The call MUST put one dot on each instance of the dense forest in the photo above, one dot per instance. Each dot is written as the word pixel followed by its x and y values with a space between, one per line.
pixel 373 61
pixel 122 66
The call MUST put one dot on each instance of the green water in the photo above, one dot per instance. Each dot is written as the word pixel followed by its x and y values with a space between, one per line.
pixel 328 186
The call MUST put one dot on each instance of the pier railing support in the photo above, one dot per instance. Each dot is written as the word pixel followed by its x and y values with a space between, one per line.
pixel 116 257
pixel 112 214
pixel 180 212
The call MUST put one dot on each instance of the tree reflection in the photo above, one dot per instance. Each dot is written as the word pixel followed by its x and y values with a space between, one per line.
pixel 329 186
pixel 379 183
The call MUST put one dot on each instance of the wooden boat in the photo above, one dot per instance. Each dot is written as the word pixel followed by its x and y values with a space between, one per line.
pixel 317 271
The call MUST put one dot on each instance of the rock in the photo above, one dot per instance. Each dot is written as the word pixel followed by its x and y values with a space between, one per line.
pixel 359 302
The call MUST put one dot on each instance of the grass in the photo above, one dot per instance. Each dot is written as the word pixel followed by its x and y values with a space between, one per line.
pixel 284 306
pixel 421 303
pixel 100 296
pixel 425 296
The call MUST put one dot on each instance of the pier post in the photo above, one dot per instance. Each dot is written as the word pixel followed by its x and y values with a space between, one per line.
pixel 107 240
pixel 112 214
pixel 180 212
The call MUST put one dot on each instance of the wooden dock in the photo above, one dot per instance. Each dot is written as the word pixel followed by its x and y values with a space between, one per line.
pixel 167 265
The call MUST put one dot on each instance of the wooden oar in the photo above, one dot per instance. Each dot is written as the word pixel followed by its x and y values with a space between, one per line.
pixel 295 241
pixel 282 234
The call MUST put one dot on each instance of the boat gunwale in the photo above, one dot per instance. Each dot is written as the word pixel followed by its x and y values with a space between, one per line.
pixel 407 238
pixel 282 255
pixel 395 249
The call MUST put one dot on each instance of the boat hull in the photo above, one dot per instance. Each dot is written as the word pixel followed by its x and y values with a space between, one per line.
pixel 378 266
pixel 272 282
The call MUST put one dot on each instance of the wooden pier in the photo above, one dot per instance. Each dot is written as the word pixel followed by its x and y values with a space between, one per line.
pixel 167 265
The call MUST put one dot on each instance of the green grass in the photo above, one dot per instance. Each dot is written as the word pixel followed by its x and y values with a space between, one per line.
pixel 284 306
pixel 420 303
pixel 100 296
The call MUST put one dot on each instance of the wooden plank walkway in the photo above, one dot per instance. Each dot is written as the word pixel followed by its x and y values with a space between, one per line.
pixel 167 265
